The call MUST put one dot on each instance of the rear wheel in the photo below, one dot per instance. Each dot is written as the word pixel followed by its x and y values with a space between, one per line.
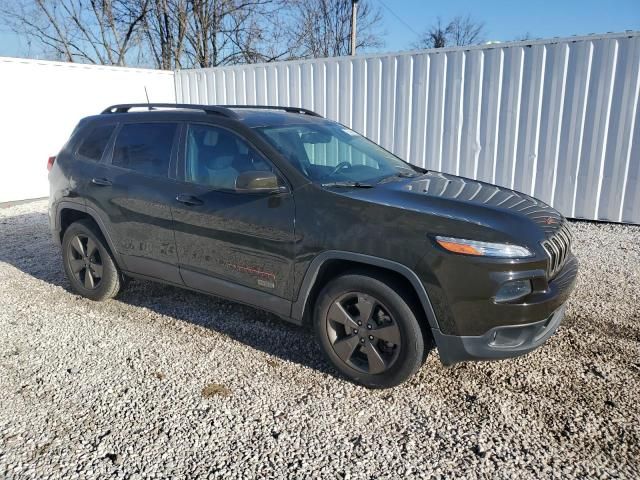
pixel 88 264
pixel 369 330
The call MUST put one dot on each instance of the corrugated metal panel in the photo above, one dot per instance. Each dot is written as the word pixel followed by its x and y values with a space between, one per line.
pixel 556 119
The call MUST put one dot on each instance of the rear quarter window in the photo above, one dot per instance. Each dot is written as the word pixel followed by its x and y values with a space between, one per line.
pixel 92 146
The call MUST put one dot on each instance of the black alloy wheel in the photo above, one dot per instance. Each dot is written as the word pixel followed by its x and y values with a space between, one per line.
pixel 363 333
pixel 84 261
pixel 88 262
pixel 369 327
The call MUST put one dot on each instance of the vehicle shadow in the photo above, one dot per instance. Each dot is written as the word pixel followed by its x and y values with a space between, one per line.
pixel 26 244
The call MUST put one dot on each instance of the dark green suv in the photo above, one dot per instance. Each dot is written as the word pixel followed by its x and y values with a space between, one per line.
pixel 284 210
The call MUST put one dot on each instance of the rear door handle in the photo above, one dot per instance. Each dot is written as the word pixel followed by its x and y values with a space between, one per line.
pixel 188 199
pixel 103 182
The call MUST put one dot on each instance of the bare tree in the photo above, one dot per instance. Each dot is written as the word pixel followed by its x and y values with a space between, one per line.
pixel 260 34
pixel 435 37
pixel 322 28
pixel 463 30
pixel 208 33
pixel 460 31
pixel 223 32
pixel 185 33
pixel 165 30
pixel 93 31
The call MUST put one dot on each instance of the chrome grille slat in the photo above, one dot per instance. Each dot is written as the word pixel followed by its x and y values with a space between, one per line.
pixel 564 236
pixel 560 248
pixel 557 247
pixel 556 257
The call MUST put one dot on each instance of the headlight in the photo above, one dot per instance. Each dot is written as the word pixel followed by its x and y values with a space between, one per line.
pixel 483 249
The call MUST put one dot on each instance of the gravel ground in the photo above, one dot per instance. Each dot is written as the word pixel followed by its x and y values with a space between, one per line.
pixel 165 383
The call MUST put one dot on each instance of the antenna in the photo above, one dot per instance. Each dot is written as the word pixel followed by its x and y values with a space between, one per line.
pixel 147 95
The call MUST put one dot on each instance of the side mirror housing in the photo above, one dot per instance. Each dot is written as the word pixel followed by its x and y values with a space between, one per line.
pixel 258 182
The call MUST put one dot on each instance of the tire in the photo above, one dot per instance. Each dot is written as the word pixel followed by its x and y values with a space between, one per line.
pixel 370 352
pixel 88 262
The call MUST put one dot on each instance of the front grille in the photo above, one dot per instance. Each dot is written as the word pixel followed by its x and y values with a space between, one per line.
pixel 557 247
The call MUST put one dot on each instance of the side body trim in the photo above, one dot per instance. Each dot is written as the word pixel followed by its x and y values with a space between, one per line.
pixel 238 293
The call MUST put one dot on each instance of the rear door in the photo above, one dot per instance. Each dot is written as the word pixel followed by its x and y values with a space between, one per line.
pixel 134 191
pixel 90 152
pixel 233 244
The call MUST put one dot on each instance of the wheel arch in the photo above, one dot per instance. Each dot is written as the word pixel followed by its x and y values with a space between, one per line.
pixel 70 212
pixel 331 263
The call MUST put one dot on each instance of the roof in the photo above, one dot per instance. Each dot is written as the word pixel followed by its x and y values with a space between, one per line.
pixel 258 117
pixel 250 115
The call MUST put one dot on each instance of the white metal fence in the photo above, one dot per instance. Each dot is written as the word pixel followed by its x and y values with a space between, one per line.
pixel 41 103
pixel 557 119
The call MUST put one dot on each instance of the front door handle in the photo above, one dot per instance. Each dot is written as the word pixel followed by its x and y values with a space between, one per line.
pixel 188 199
pixel 103 182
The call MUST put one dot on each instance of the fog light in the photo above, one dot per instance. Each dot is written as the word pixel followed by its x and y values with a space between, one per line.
pixel 513 290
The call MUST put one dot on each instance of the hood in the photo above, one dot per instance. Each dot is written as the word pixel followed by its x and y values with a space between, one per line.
pixel 468 200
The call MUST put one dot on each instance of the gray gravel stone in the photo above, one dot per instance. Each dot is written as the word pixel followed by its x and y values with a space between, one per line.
pixel 115 389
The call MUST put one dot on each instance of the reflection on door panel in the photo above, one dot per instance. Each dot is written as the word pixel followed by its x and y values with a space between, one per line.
pixel 141 197
pixel 241 237
pixel 147 227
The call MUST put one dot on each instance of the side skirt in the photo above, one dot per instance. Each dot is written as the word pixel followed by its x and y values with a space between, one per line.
pixel 229 291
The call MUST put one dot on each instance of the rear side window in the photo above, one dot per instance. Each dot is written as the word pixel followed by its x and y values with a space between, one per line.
pixel 145 147
pixel 94 143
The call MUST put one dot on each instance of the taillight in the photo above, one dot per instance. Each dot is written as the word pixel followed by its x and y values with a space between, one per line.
pixel 50 163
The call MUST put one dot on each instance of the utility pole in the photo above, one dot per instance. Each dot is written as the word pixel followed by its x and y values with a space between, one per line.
pixel 354 15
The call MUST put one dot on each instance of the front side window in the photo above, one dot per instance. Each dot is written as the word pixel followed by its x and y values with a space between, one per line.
pixel 329 152
pixel 216 156
pixel 145 147
pixel 93 145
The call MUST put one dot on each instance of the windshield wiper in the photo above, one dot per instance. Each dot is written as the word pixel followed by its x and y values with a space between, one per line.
pixel 407 174
pixel 348 184
pixel 392 177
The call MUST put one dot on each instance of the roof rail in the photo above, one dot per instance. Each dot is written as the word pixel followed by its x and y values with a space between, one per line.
pixel 209 109
pixel 303 111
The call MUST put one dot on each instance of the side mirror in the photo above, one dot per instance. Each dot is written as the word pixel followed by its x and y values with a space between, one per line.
pixel 257 182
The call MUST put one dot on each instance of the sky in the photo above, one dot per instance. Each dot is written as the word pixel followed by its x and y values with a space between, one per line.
pixel 507 20
pixel 504 20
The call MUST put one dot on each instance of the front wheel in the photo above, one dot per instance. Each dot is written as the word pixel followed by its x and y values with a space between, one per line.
pixel 369 330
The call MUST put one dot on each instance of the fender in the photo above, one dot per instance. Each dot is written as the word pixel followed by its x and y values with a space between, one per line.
pixel 297 308
pixel 81 207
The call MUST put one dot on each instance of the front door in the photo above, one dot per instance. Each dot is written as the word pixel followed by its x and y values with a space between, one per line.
pixel 233 244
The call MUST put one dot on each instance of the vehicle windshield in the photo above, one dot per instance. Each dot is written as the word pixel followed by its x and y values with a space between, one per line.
pixel 329 153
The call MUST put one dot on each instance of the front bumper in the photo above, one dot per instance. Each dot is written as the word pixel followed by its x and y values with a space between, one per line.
pixel 499 342
pixel 518 329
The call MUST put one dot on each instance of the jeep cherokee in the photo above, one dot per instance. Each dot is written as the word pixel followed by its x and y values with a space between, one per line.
pixel 281 209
